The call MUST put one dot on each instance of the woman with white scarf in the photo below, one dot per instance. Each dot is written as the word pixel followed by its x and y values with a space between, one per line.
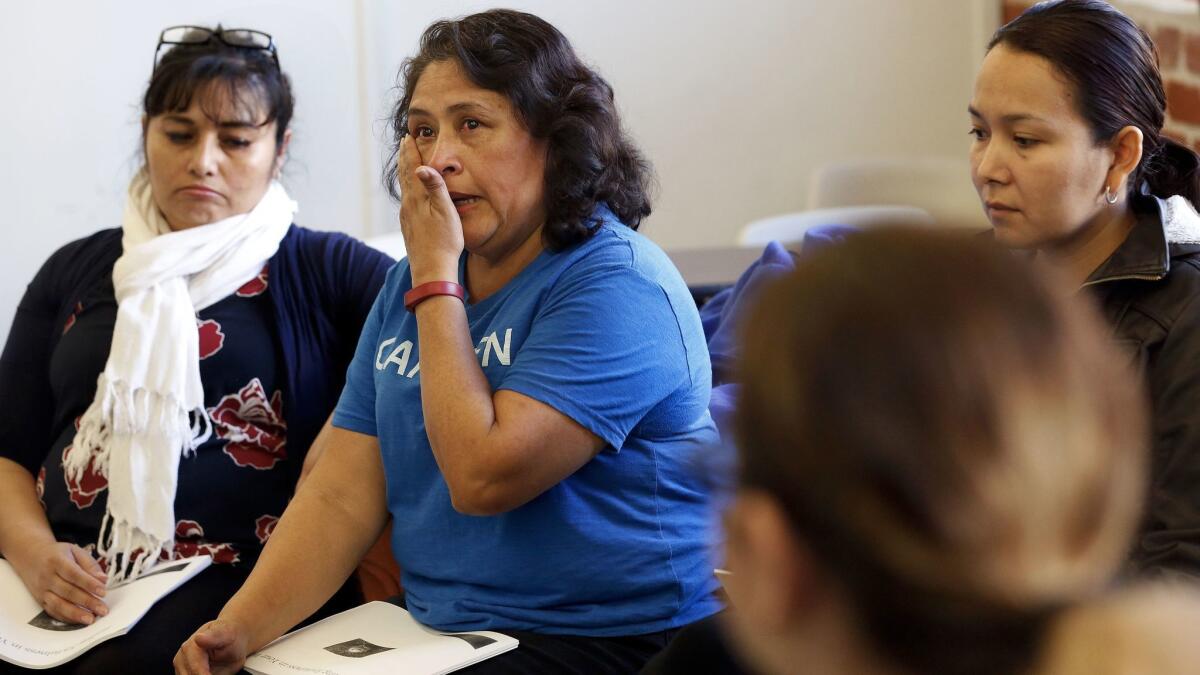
pixel 162 382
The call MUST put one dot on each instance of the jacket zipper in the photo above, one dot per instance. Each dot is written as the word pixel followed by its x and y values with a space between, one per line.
pixel 1127 277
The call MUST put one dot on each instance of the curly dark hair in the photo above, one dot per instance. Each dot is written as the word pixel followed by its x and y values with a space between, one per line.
pixel 590 160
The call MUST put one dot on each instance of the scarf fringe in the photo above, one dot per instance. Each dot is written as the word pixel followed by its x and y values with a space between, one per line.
pixel 124 411
pixel 128 551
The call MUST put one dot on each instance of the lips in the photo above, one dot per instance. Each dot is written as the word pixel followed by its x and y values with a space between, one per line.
pixel 462 199
pixel 1000 206
pixel 201 191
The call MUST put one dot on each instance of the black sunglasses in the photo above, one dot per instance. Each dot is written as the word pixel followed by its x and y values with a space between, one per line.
pixel 242 38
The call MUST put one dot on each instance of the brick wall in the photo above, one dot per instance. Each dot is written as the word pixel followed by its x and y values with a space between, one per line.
pixel 1177 37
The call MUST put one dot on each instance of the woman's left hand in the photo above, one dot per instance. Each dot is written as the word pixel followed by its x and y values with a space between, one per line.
pixel 433 234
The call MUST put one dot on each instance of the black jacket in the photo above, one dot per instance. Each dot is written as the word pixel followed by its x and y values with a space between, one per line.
pixel 1149 290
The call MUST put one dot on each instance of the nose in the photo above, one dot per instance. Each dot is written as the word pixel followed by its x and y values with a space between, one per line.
pixel 205 155
pixel 444 157
pixel 991 164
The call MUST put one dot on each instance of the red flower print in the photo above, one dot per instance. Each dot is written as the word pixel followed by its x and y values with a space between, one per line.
pixel 189 542
pixel 256 286
pixel 188 529
pixel 41 485
pixel 264 526
pixel 84 491
pixel 254 430
pixel 71 319
pixel 211 338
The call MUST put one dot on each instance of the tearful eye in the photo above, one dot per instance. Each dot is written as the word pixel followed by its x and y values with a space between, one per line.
pixel 423 132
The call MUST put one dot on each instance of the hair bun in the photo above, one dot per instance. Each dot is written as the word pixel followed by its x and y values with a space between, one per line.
pixel 1174 170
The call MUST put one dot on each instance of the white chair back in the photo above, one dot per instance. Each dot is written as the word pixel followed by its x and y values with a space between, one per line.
pixel 790 227
pixel 391 244
pixel 939 185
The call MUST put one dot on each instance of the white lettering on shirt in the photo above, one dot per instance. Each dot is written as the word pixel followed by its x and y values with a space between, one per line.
pixel 399 355
pixel 489 346
pixel 379 364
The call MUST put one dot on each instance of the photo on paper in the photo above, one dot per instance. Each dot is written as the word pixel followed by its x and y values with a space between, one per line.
pixel 356 649
pixel 157 570
pixel 47 622
pixel 476 641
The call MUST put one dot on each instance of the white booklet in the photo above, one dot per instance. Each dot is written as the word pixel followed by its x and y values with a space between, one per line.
pixel 30 638
pixel 377 637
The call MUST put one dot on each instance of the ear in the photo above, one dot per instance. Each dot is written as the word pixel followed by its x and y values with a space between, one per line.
pixel 281 152
pixel 1126 147
pixel 774 575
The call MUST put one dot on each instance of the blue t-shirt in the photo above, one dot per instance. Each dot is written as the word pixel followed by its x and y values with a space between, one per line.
pixel 607 333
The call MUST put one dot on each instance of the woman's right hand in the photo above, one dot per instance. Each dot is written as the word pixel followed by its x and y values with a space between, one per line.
pixel 217 648
pixel 432 229
pixel 65 580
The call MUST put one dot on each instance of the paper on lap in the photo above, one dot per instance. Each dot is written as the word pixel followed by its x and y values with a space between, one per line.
pixel 31 638
pixel 377 637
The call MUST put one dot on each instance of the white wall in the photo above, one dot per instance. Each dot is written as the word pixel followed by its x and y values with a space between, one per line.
pixel 735 103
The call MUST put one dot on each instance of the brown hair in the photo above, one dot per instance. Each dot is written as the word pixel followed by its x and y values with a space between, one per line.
pixel 950 434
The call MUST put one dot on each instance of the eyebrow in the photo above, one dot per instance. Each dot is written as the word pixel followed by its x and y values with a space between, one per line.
pixel 1010 118
pixel 224 124
pixel 465 106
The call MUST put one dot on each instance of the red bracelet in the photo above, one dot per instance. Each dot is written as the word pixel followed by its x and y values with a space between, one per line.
pixel 427 290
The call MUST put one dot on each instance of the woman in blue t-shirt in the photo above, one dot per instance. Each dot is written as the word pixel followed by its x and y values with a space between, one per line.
pixel 529 389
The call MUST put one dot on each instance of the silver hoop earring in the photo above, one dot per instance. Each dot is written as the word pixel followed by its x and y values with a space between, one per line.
pixel 1109 196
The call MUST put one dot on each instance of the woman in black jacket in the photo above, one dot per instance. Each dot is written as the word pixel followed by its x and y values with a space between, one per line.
pixel 1070 163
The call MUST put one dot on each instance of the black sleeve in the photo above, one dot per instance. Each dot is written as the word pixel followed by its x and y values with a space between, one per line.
pixel 358 272
pixel 26 401
pixel 1170 540
pixel 370 267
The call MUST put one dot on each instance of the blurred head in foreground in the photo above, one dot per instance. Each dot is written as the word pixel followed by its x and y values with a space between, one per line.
pixel 940 454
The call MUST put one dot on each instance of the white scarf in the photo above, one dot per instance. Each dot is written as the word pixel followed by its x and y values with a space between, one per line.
pixel 138 427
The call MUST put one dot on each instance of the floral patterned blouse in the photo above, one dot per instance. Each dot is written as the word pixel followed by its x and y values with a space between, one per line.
pixel 233 490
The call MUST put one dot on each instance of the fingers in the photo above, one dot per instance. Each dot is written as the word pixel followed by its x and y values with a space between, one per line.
pixel 191 659
pixel 410 165
pixel 74 595
pixel 64 611
pixel 407 160
pixel 69 571
pixel 70 592
pixel 430 179
pixel 213 636
pixel 214 649
pixel 89 565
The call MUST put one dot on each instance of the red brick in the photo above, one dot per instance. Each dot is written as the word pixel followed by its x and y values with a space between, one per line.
pixel 1193 52
pixel 1183 102
pixel 1168 40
